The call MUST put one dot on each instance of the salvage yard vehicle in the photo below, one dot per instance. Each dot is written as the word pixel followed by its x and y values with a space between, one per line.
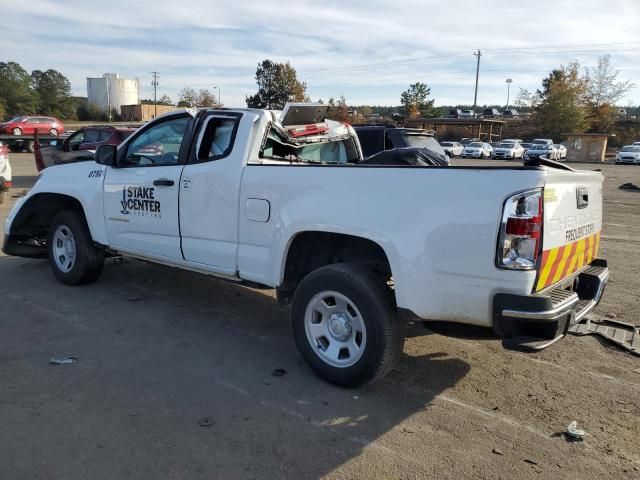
pixel 5 171
pixel 629 154
pixel 30 125
pixel 508 150
pixel 377 138
pixel 453 149
pixel 542 150
pixel 79 146
pixel 562 151
pixel 282 200
pixel 477 150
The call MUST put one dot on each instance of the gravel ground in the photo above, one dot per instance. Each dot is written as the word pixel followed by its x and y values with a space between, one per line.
pixel 162 351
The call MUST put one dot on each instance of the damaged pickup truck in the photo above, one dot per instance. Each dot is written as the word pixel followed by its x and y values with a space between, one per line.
pixel 283 200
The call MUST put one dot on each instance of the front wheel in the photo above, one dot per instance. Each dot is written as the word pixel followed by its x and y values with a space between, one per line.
pixel 345 325
pixel 74 258
pixel 53 132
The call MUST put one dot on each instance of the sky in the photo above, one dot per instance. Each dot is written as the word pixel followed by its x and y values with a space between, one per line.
pixel 367 50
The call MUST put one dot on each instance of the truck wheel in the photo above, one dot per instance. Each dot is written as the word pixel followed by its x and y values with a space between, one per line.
pixel 74 258
pixel 345 325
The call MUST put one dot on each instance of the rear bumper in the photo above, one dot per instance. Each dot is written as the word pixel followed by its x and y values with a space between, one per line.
pixel 533 322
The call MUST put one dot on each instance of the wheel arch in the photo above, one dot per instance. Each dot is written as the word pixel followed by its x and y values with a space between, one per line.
pixel 34 216
pixel 309 250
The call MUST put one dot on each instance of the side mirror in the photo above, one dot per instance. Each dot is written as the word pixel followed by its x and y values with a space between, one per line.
pixel 106 155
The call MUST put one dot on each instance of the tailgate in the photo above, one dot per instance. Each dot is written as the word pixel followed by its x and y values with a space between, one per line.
pixel 572 224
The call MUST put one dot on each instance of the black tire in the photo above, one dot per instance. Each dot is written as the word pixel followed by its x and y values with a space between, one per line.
pixel 89 260
pixel 374 300
pixel 28 145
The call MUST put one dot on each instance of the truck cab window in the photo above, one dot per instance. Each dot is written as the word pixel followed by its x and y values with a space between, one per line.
pixel 217 139
pixel 159 145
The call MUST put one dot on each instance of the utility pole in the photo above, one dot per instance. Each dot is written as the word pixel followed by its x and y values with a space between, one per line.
pixel 475 96
pixel 509 82
pixel 154 84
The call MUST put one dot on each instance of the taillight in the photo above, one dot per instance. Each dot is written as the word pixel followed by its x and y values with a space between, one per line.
pixel 312 129
pixel 521 231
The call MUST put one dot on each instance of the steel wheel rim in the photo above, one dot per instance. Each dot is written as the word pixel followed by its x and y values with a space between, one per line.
pixel 64 248
pixel 335 329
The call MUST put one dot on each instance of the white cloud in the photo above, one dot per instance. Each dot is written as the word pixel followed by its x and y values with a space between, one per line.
pixel 200 43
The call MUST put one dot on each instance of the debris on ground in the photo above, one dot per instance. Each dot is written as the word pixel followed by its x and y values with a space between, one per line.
pixel 62 360
pixel 497 451
pixel 624 334
pixel 532 462
pixel 574 433
pixel 205 422
pixel 612 315
pixel 629 186
pixel 279 372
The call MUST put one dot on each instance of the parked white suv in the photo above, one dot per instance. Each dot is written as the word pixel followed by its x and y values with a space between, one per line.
pixel 282 200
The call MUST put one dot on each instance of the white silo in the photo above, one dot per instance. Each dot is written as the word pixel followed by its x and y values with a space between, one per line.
pixel 111 91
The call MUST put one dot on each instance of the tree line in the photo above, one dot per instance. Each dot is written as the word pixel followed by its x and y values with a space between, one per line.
pixel 571 99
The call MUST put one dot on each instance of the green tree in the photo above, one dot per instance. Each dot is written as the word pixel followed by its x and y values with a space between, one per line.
pixel 562 106
pixel 190 97
pixel 277 85
pixel 603 91
pixel 338 111
pixel 163 100
pixel 415 101
pixel 16 93
pixel 53 93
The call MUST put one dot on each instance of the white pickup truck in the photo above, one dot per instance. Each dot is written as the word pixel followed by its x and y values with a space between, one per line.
pixel 284 200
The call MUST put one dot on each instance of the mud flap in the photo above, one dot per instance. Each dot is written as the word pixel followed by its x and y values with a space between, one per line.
pixel 624 334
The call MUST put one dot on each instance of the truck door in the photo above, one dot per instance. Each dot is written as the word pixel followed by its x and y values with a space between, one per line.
pixel 141 193
pixel 210 190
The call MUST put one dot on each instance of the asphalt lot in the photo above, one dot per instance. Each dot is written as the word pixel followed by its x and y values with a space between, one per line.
pixel 159 350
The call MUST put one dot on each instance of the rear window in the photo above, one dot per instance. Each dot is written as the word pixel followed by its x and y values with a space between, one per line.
pixel 371 140
pixel 422 141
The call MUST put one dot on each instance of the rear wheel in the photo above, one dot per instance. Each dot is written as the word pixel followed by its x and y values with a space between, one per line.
pixel 345 325
pixel 53 132
pixel 74 258
pixel 16 131
pixel 29 146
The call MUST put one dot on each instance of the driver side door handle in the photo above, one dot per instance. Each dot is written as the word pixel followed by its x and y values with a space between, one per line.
pixel 163 182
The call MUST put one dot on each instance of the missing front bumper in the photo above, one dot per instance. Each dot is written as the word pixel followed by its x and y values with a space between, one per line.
pixel 534 322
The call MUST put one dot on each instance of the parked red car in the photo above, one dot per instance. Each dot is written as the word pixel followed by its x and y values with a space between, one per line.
pixel 31 124
pixel 79 146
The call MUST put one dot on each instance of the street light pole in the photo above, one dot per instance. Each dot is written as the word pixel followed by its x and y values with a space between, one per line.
pixel 509 82
pixel 219 95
